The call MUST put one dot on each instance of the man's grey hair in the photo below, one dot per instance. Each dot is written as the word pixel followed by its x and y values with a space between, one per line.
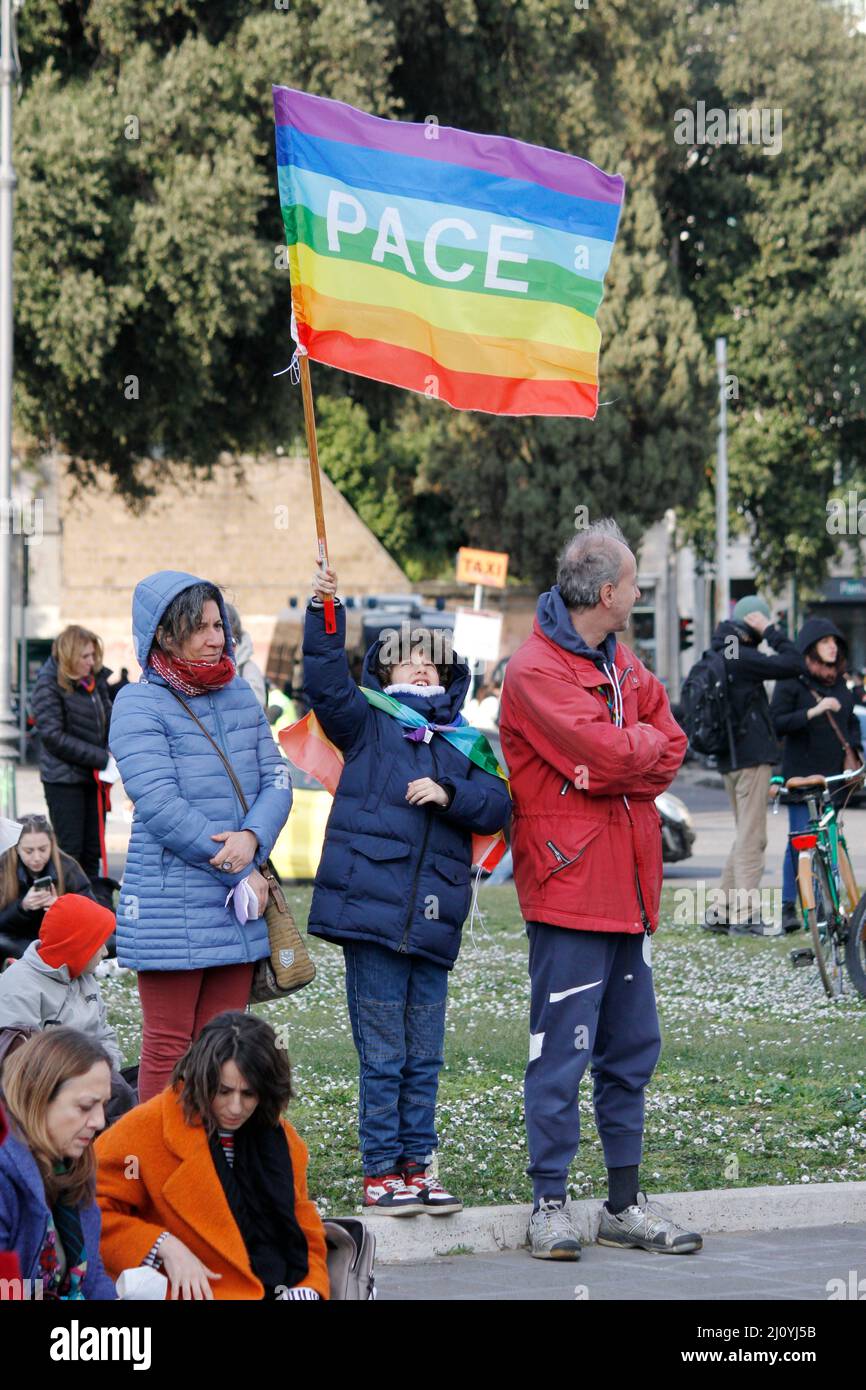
pixel 591 559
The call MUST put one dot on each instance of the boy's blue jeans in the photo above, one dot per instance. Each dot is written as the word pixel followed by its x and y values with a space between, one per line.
pixel 397 1009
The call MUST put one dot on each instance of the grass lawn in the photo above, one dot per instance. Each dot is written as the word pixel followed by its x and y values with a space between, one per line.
pixel 761 1079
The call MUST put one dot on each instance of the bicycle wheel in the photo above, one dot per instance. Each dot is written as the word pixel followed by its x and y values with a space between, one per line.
pixel 821 919
pixel 855 947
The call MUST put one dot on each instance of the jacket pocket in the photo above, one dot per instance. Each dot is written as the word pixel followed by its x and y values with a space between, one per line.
pixel 379 847
pixel 379 872
pixel 562 851
pixel 455 873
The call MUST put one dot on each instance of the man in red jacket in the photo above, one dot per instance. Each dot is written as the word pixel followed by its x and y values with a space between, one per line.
pixel 590 741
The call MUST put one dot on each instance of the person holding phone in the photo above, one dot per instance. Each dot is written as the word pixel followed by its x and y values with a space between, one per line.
pixel 33 875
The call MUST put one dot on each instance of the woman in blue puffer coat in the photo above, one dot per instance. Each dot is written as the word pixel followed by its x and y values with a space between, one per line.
pixel 191 841
pixel 393 885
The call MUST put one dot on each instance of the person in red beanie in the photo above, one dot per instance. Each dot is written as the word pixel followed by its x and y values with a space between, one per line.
pixel 53 984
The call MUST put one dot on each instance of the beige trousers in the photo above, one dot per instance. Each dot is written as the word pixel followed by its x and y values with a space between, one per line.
pixel 748 790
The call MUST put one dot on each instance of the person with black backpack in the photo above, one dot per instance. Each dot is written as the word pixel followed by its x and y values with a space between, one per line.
pixel 725 705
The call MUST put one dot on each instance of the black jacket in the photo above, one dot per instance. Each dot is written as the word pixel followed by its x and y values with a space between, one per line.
pixel 811 745
pixel 72 727
pixel 754 739
pixel 21 921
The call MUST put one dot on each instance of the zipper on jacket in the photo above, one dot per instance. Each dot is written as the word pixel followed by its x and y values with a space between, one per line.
pixel 643 912
pixel 100 712
pixel 408 927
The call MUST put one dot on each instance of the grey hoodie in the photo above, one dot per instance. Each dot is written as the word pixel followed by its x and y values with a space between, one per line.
pixel 248 670
pixel 36 995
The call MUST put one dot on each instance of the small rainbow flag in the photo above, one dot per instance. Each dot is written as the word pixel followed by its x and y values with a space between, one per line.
pixel 306 744
pixel 466 267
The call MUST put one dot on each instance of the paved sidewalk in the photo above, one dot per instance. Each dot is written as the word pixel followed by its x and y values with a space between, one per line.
pixel 758 1266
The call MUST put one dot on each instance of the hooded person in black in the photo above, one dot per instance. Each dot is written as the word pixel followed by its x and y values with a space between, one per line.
pixel 814 714
pixel 747 777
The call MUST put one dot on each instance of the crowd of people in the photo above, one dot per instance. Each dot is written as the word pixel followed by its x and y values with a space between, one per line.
pixel 809 727
pixel 216 1199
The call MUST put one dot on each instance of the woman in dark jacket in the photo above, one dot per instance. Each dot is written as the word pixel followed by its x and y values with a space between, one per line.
pixel 72 708
pixel 804 712
pixel 22 905
pixel 393 886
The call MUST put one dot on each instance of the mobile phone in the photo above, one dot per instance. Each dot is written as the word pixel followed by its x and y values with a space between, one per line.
pixel 43 882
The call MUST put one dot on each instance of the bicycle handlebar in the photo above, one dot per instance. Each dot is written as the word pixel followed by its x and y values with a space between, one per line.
pixel 846 778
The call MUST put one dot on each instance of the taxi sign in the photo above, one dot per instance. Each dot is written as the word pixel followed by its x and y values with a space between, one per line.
pixel 487 567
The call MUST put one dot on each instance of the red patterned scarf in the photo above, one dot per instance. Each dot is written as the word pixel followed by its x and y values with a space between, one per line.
pixel 193 677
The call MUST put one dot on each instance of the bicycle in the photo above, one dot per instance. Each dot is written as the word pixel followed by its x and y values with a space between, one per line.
pixel 824 878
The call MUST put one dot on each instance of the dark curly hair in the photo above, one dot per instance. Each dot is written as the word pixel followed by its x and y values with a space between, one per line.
pixel 252 1045
pixel 423 637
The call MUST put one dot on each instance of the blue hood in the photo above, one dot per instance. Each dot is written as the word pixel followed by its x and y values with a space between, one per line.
pixel 150 600
pixel 439 709
pixel 555 622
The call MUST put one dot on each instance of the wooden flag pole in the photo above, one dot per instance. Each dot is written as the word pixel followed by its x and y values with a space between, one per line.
pixel 316 479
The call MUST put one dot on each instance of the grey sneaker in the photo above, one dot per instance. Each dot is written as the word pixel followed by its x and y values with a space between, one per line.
pixel 551 1234
pixel 646 1227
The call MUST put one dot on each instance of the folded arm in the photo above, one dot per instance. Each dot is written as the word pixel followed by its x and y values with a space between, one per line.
pixel 578 739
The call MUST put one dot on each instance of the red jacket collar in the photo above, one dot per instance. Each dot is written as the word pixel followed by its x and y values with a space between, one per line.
pixel 581 667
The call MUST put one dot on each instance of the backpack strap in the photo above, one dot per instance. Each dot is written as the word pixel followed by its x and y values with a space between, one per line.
pixel 267 870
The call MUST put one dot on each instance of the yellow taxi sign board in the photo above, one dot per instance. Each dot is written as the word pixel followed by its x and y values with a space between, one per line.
pixel 487 567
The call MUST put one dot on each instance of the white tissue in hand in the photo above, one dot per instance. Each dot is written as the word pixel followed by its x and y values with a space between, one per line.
pixel 142 1283
pixel 111 772
pixel 246 903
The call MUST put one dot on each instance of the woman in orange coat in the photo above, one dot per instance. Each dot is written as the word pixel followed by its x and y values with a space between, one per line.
pixel 206 1181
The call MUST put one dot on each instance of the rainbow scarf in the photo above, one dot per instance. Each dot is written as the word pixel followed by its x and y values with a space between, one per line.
pixel 307 745
pixel 467 267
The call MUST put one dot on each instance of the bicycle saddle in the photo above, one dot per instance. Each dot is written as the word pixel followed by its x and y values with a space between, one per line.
pixel 816 780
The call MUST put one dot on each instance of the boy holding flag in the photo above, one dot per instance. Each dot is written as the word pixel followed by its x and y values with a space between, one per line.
pixel 393 885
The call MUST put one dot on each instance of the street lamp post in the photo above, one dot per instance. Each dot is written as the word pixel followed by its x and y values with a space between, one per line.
pixel 722 582
pixel 8 730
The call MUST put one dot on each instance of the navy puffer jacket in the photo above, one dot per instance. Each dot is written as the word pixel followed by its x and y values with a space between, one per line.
pixel 393 873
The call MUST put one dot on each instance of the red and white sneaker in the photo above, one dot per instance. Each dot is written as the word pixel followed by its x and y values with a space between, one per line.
pixel 437 1200
pixel 390 1196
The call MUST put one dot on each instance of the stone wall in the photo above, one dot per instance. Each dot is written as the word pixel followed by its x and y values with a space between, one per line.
pixel 248 528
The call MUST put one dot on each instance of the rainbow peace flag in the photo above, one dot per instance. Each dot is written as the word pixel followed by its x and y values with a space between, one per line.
pixel 466 267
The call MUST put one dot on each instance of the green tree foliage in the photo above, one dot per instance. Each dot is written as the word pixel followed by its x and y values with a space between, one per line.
pixel 152 309
pixel 774 256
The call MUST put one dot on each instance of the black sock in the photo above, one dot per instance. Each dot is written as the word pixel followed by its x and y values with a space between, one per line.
pixel 621 1188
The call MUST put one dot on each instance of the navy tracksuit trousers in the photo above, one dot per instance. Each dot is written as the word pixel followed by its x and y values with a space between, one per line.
pixel 592 1002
